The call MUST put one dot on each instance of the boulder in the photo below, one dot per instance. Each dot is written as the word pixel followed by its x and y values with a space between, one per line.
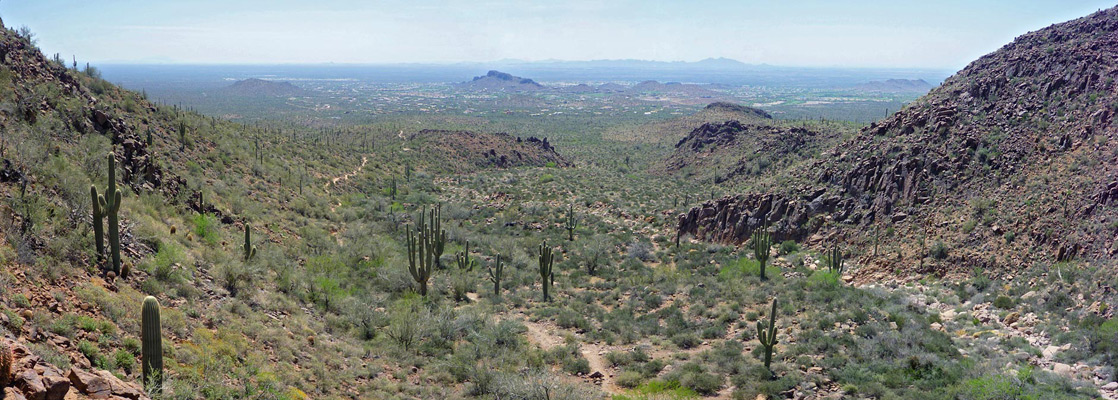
pixel 57 387
pixel 90 384
pixel 31 385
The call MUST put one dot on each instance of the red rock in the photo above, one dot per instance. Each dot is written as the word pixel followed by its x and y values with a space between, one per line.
pixel 90 384
pixel 11 393
pixel 31 385
pixel 57 387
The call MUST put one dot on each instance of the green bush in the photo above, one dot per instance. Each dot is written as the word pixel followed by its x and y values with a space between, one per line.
pixel 789 247
pixel 939 250
pixel 1003 302
pixel 629 379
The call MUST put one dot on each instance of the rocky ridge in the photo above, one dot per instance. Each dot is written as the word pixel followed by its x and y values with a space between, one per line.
pixel 1004 143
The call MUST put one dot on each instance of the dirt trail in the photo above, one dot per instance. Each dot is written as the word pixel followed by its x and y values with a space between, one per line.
pixel 547 336
pixel 344 177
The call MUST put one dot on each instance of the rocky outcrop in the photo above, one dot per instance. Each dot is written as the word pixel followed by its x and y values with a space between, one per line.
pixel 465 150
pixel 737 108
pixel 733 148
pixel 1017 129
pixel 35 379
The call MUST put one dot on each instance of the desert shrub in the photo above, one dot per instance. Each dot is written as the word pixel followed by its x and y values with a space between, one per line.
pixel 1003 302
pixel 789 247
pixel 939 250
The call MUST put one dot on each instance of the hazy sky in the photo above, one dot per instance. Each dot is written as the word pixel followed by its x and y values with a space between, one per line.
pixel 893 33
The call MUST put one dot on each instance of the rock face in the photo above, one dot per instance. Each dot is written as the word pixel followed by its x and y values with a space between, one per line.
pixel 465 150
pixel 737 108
pixel 1005 145
pixel 37 380
pixel 732 149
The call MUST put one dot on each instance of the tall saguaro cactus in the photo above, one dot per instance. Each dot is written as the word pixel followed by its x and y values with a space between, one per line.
pixel 419 259
pixel 572 223
pixel 767 337
pixel 835 263
pixel 249 249
pixel 152 345
pixel 98 224
pixel 762 243
pixel 547 276
pixel 107 205
pixel 436 233
pixel 495 275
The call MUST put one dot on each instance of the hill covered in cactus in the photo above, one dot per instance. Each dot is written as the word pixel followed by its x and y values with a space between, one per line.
pixel 414 240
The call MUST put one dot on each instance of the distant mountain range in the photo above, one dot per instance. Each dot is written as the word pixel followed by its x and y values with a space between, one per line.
pixel 505 82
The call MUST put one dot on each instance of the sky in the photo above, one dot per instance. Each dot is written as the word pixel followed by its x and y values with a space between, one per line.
pixel 815 33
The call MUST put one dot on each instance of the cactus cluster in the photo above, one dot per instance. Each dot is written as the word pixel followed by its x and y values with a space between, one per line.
pixel 462 258
pixel 152 345
pixel 495 273
pixel 249 249
pixel 767 336
pixel 107 205
pixel 572 223
pixel 835 263
pixel 547 276
pixel 425 246
pixel 5 365
pixel 762 243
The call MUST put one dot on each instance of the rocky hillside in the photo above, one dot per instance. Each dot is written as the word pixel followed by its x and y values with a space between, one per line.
pixel 1010 161
pixel 461 151
pixel 733 143
pixel 57 126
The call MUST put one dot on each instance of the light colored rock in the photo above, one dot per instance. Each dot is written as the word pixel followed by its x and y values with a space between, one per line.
pixel 1110 386
pixel 1063 369
pixel 1050 351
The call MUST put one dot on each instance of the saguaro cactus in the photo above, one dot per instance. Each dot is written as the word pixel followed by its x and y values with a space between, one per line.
pixel 98 223
pixel 762 243
pixel 572 223
pixel 463 259
pixel 5 365
pixel 249 249
pixel 767 337
pixel 547 276
pixel 835 263
pixel 108 205
pixel 436 233
pixel 419 257
pixel 152 343
pixel 495 275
